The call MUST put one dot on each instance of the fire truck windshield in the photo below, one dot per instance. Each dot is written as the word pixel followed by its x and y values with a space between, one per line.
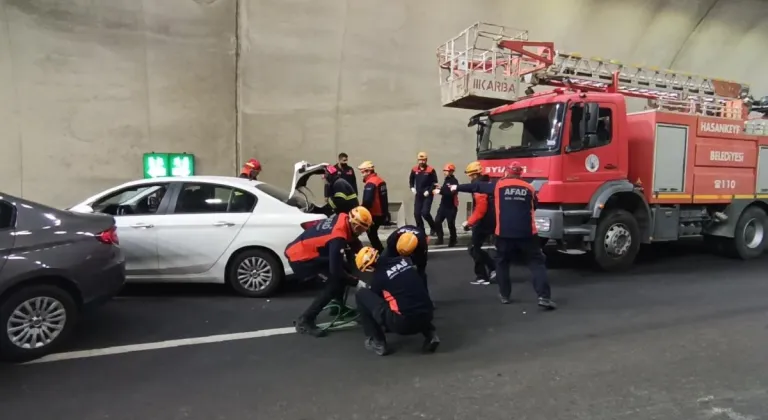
pixel 532 131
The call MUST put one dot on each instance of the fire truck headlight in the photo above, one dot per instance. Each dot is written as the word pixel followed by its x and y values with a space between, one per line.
pixel 543 224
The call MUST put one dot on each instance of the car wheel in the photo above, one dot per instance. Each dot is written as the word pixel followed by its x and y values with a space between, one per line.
pixel 35 320
pixel 255 273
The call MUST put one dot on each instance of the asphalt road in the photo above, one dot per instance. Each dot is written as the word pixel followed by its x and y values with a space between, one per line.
pixel 683 336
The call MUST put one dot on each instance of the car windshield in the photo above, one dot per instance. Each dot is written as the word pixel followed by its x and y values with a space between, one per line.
pixel 298 200
pixel 531 131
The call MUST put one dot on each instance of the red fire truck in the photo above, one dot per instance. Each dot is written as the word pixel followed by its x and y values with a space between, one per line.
pixel 691 164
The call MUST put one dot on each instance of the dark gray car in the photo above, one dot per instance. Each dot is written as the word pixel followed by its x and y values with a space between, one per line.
pixel 53 264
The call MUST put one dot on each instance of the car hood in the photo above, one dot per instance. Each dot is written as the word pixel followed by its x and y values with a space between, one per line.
pixel 302 172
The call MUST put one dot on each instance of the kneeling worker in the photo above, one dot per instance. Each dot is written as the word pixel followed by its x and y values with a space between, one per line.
pixel 409 241
pixel 397 301
pixel 320 251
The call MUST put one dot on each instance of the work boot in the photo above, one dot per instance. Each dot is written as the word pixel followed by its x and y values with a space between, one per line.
pixel 305 326
pixel 504 300
pixel 376 346
pixel 439 241
pixel 547 304
pixel 431 342
pixel 452 242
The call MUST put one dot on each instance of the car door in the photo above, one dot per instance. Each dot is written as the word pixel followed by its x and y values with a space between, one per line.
pixel 203 220
pixel 7 238
pixel 137 210
pixel 592 164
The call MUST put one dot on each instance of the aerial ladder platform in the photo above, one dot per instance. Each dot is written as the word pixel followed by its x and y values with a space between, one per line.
pixel 489 65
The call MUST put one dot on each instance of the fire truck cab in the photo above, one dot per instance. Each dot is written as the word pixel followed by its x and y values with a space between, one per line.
pixel 690 165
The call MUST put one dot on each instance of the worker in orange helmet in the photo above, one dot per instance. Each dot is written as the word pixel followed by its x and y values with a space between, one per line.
pixel 516 233
pixel 422 180
pixel 449 206
pixel 481 222
pixel 251 169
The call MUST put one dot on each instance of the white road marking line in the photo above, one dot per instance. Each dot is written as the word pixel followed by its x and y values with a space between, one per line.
pixel 82 354
pixel 456 249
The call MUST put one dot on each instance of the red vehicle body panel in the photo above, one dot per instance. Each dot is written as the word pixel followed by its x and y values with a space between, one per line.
pixel 718 153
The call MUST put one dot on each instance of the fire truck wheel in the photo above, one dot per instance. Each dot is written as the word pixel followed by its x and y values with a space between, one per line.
pixel 749 237
pixel 617 241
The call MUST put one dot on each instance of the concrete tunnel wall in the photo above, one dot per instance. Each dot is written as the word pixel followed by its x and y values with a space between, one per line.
pixel 88 86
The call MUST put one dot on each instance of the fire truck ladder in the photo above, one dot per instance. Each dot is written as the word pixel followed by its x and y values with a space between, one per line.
pixel 486 65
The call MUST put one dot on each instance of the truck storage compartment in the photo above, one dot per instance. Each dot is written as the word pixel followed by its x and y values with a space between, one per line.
pixel 722 183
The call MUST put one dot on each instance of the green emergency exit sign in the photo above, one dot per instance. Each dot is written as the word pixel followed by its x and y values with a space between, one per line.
pixel 168 164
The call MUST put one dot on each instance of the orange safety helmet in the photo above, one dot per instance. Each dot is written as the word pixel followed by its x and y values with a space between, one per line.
pixel 474 168
pixel 406 244
pixel 449 167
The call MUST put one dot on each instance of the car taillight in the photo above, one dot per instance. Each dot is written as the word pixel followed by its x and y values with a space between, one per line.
pixel 310 224
pixel 109 236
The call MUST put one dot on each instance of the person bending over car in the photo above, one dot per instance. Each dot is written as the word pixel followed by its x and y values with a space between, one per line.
pixel 397 301
pixel 320 251
pixel 409 241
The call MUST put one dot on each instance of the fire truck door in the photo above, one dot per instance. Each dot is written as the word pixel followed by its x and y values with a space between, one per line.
pixel 590 160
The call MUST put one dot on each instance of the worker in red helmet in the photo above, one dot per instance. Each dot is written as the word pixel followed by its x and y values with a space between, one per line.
pixel 449 206
pixel 251 169
pixel 516 233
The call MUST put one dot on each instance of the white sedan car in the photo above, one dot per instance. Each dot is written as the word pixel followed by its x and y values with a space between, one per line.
pixel 210 229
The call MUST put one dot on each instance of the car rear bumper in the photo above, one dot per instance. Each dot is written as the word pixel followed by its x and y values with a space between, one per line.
pixel 109 282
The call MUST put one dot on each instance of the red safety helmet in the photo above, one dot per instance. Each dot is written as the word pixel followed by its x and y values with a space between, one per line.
pixel 253 164
pixel 515 168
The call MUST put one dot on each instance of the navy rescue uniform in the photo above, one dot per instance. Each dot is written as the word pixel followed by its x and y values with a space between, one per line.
pixel 423 180
pixel 376 201
pixel 483 222
pixel 447 210
pixel 340 194
pixel 320 251
pixel 516 234
pixel 419 255
pixel 347 173
pixel 397 301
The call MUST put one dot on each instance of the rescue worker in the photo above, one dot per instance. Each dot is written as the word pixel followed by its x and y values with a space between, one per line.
pixel 449 206
pixel 422 180
pixel 346 173
pixel 396 302
pixel 320 251
pixel 375 200
pixel 339 193
pixel 409 241
pixel 516 234
pixel 251 169
pixel 481 222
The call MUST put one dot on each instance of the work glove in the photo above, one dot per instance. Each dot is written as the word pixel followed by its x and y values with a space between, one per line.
pixel 436 191
pixel 466 226
pixel 453 188
pixel 413 190
pixel 426 193
pixel 362 285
